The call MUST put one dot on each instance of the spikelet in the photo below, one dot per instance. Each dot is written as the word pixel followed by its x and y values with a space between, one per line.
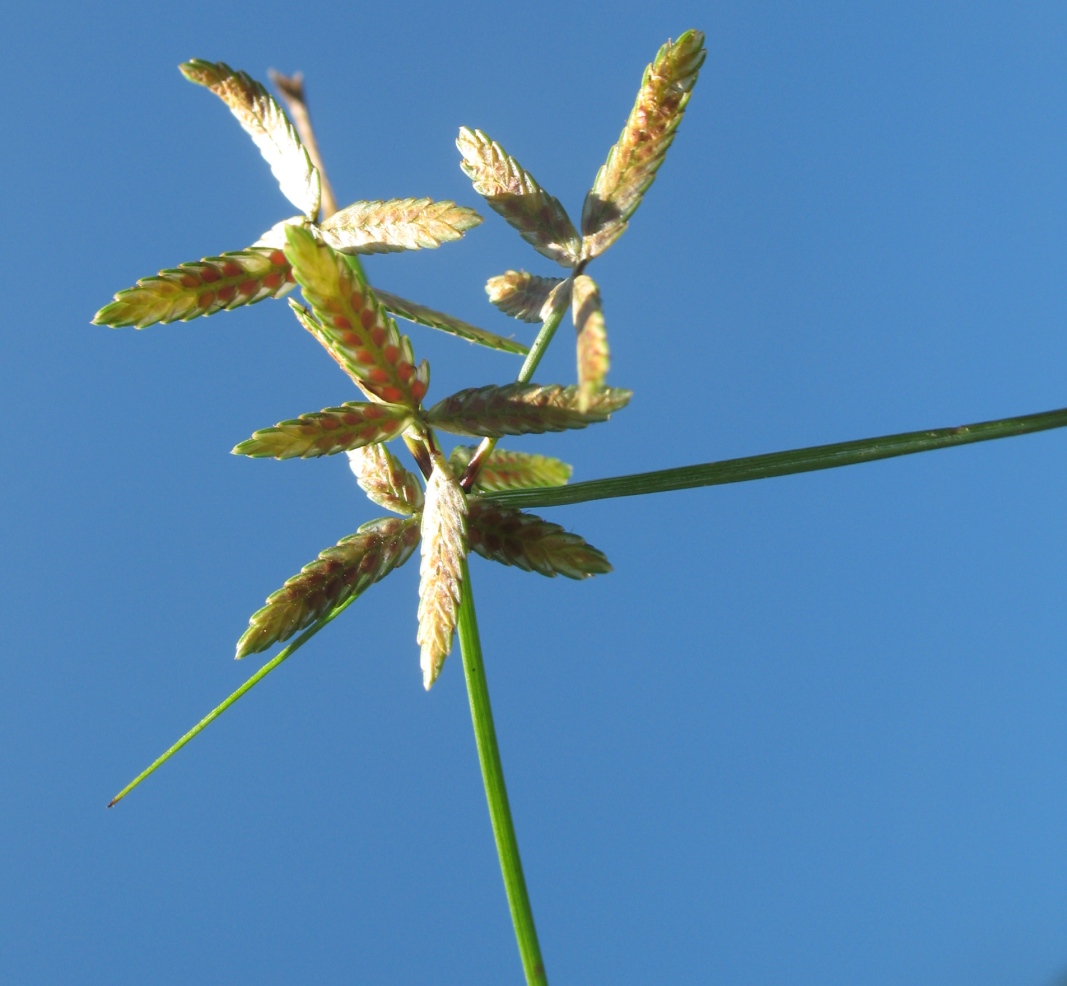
pixel 203 288
pixel 593 355
pixel 396 224
pixel 415 312
pixel 345 570
pixel 385 481
pixel 512 537
pixel 444 546
pixel 355 328
pixel 632 163
pixel 520 294
pixel 512 191
pixel 268 126
pixel 341 357
pixel 507 470
pixel 336 429
pixel 522 409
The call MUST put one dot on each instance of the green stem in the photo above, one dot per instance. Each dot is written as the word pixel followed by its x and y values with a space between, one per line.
pixel 507 846
pixel 219 709
pixel 781 463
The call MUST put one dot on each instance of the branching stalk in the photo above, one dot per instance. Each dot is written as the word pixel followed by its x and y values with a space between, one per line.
pixel 496 794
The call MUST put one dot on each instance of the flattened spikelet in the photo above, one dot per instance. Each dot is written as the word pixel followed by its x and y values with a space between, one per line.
pixel 444 546
pixel 507 470
pixel 385 481
pixel 201 288
pixel 353 325
pixel 344 570
pixel 268 126
pixel 522 409
pixel 520 294
pixel 632 163
pixel 512 191
pixel 397 224
pixel 512 537
pixel 593 356
pixel 336 429
pixel 415 312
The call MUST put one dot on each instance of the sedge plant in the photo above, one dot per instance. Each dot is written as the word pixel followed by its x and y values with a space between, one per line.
pixel 471 497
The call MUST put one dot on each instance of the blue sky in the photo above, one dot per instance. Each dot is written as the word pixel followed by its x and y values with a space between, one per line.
pixel 810 730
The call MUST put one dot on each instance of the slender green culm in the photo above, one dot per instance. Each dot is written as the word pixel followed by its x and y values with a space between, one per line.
pixel 781 463
pixel 262 673
pixel 496 793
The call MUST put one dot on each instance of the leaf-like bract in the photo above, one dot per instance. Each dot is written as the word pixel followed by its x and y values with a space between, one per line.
pixel 336 429
pixel 522 409
pixel 512 537
pixel 512 191
pixel 202 288
pixel 507 470
pixel 593 355
pixel 354 326
pixel 632 163
pixel 385 481
pixel 346 569
pixel 415 312
pixel 444 546
pixel 520 294
pixel 396 224
pixel 268 126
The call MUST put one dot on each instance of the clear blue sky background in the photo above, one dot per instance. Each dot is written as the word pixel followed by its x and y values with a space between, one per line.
pixel 811 730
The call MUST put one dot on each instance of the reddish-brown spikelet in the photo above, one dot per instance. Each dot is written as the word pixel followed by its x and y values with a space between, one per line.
pixel 201 288
pixel 352 324
pixel 593 355
pixel 504 469
pixel 336 429
pixel 444 546
pixel 396 224
pixel 268 126
pixel 632 163
pixel 522 409
pixel 512 191
pixel 347 569
pixel 520 294
pixel 385 481
pixel 512 537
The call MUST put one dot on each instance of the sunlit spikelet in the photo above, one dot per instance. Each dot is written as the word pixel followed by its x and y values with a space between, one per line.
pixel 415 312
pixel 593 356
pixel 354 326
pixel 504 469
pixel 385 481
pixel 522 409
pixel 201 288
pixel 336 429
pixel 268 126
pixel 344 570
pixel 397 224
pixel 520 294
pixel 512 191
pixel 632 163
pixel 444 546
pixel 512 537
